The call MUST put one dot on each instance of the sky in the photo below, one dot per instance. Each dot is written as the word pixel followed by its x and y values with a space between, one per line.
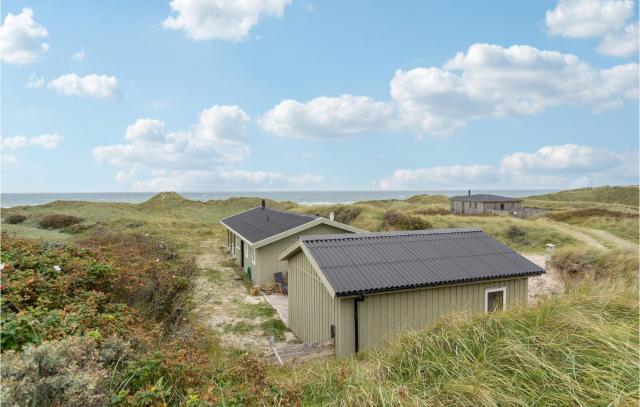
pixel 248 95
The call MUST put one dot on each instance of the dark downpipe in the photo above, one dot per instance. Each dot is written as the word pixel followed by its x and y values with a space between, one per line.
pixel 355 319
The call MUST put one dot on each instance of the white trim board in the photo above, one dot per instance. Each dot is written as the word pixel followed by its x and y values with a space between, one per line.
pixel 487 291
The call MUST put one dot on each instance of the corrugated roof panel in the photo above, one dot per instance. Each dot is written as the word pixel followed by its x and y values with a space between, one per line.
pixel 388 261
pixel 260 223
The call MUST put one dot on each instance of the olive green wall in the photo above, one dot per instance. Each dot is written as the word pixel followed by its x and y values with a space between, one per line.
pixel 311 308
pixel 385 315
pixel 267 262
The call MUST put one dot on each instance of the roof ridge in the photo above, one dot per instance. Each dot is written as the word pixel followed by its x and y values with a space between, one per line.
pixel 303 215
pixel 413 260
pixel 402 233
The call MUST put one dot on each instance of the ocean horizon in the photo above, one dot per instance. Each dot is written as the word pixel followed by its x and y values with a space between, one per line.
pixel 12 199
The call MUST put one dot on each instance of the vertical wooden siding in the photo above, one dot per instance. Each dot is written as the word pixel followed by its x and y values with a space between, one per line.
pixel 384 315
pixel 267 262
pixel 311 308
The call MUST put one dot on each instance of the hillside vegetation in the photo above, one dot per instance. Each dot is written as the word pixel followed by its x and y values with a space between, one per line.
pixel 98 312
pixel 575 198
pixel 610 209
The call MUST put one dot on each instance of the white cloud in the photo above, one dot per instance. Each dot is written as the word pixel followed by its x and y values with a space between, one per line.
pixel 47 141
pixel 14 143
pixel 96 86
pixel 200 180
pixel 219 137
pixel 35 82
pixel 21 38
pixel 8 158
pixel 488 81
pixel 201 157
pixel 560 166
pixel 455 176
pixel 567 157
pixel 327 117
pixel 588 18
pixel 621 43
pixel 79 56
pixel 597 18
pixel 221 19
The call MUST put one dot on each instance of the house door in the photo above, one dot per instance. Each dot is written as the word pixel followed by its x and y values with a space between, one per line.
pixel 241 253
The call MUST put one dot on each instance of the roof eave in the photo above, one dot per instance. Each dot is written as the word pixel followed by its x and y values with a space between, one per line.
pixel 231 229
pixel 419 286
pixel 305 226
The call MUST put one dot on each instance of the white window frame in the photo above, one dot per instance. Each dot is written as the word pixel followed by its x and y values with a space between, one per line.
pixel 253 256
pixel 246 252
pixel 493 290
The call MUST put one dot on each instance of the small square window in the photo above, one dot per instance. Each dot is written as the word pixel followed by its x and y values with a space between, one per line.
pixel 495 299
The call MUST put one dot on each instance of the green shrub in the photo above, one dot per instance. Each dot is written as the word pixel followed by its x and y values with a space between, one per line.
pixel 61 372
pixel 59 221
pixel 346 214
pixel 15 218
pixel 394 220
pixel 594 263
pixel 433 210
pixel 516 234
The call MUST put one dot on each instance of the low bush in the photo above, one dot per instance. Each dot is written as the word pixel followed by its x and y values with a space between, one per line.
pixel 60 302
pixel 573 262
pixel 434 210
pixel 66 372
pixel 394 220
pixel 15 218
pixel 516 234
pixel 58 221
pixel 590 212
pixel 346 214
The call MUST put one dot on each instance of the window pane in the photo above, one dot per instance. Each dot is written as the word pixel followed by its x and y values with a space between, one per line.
pixel 494 301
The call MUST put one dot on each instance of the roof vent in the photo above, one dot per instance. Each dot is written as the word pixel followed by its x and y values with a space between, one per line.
pixel 263 204
pixel 331 216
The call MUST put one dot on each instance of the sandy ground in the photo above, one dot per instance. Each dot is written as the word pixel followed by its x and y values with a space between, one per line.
pixel 592 237
pixel 544 285
pixel 222 302
pixel 220 298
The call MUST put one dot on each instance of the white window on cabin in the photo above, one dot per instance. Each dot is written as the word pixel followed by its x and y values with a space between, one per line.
pixel 495 299
pixel 253 256
pixel 246 252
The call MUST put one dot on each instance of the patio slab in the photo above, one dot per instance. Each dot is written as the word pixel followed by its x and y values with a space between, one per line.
pixel 281 304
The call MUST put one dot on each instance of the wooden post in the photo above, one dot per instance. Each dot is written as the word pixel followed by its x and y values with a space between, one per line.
pixel 273 348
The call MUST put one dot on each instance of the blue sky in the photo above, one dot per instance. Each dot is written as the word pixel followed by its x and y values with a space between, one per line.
pixel 206 95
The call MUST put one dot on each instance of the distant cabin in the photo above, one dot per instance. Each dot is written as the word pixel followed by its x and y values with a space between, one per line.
pixel 256 237
pixel 483 203
pixel 360 289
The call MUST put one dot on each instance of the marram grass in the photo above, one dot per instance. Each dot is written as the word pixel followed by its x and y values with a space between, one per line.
pixel 577 350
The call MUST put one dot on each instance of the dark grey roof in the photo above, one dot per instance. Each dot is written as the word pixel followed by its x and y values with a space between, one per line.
pixel 484 198
pixel 260 223
pixel 372 262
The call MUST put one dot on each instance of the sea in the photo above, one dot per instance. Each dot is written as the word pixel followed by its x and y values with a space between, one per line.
pixel 8 200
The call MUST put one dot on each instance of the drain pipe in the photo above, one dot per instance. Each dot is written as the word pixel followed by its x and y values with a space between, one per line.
pixel 355 320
